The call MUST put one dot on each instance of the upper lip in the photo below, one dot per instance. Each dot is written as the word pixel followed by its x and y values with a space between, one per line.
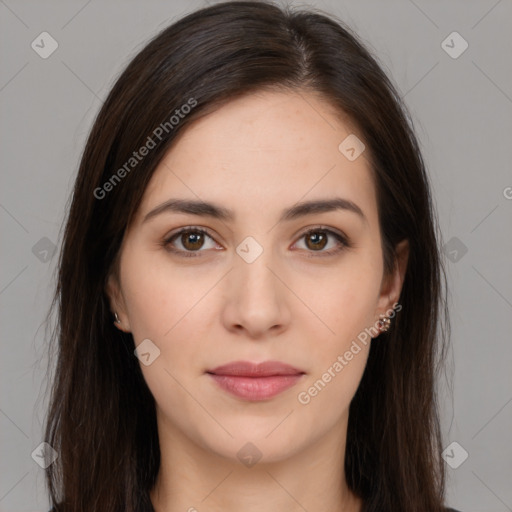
pixel 248 369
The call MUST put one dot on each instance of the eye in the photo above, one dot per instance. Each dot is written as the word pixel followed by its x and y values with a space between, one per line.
pixel 191 239
pixel 316 239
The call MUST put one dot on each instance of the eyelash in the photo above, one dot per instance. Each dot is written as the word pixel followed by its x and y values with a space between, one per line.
pixel 343 241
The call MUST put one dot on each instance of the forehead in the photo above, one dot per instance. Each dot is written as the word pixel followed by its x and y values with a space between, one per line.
pixel 261 150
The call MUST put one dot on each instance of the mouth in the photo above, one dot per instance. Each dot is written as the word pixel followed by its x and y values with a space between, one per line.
pixel 255 382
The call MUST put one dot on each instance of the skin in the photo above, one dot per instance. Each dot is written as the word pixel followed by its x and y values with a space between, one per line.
pixel 255 155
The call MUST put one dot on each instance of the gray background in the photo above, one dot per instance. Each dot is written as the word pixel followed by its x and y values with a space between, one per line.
pixel 462 110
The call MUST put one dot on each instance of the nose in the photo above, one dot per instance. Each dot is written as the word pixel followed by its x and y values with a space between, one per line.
pixel 256 299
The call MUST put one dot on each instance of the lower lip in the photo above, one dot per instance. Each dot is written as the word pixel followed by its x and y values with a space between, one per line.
pixel 256 388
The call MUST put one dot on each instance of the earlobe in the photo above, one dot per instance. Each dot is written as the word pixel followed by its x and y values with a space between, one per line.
pixel 113 292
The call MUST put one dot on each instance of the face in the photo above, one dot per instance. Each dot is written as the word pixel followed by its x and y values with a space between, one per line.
pixel 256 278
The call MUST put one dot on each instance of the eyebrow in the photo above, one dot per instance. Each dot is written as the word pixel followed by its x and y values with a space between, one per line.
pixel 205 209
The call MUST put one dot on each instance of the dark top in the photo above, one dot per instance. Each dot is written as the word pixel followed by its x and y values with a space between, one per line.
pixel 447 510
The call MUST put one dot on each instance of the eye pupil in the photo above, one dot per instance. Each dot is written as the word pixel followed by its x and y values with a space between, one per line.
pixel 319 242
pixel 196 240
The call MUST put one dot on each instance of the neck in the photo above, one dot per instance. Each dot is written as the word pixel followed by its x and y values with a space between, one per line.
pixel 194 479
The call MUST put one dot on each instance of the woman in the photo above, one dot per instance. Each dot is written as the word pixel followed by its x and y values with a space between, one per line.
pixel 251 298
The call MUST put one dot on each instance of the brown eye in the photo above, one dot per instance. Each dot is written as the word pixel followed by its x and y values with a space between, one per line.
pixel 189 242
pixel 192 240
pixel 316 240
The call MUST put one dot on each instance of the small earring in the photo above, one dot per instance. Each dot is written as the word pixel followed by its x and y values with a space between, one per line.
pixel 384 323
pixel 117 318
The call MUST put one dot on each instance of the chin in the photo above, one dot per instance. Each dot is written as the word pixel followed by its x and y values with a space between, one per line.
pixel 264 443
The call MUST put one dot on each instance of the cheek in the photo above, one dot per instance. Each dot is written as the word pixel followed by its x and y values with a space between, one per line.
pixel 160 296
pixel 172 307
pixel 339 354
pixel 342 302
pixel 324 400
pixel 163 307
pixel 345 303
pixel 147 307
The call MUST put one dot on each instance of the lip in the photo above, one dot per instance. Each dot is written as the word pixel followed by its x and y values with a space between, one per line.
pixel 253 381
pixel 248 369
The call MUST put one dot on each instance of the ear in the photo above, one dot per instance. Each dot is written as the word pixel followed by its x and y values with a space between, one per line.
pixel 392 283
pixel 117 304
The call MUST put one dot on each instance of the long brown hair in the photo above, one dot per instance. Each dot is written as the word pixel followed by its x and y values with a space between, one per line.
pixel 101 418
